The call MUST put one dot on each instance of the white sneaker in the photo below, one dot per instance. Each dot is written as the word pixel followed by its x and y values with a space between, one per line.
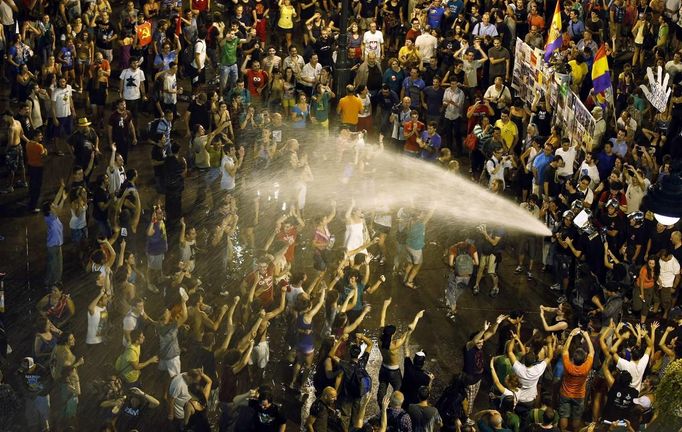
pixel 555 287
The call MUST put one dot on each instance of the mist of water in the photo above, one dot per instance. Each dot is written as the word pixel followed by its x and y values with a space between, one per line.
pixel 386 180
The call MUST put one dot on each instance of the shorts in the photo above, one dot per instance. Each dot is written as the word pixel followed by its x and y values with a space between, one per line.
pixel 650 296
pixel 79 234
pixel 571 408
pixel 64 129
pixel 283 30
pixel 530 246
pixel 415 256
pixel 98 95
pixel 288 103
pixel 665 295
pixel 15 158
pixel 488 263
pixel 155 262
pixel 172 366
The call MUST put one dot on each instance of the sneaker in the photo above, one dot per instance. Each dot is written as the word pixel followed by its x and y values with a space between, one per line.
pixel 21 184
pixel 562 299
pixel 152 288
pixel 529 275
pixel 494 292
pixel 8 190
pixel 546 269
pixel 555 287
pixel 518 270
pixel 35 210
pixel 224 293
pixel 59 153
pixel 476 290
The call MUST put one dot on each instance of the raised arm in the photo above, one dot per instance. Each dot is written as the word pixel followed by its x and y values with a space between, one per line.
pixel 496 380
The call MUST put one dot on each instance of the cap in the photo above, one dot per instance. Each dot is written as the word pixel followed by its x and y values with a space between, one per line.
pixel 27 363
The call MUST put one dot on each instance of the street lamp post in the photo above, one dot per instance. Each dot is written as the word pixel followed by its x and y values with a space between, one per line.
pixel 343 66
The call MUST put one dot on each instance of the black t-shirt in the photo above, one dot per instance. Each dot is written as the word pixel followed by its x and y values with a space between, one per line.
pixel 659 240
pixel 637 236
pixel 568 232
pixel 129 417
pixel 199 114
pixel 173 169
pixel 101 196
pixel 120 126
pixel 103 34
pixel 619 402
pixel 550 177
pixel 374 78
pixel 386 102
pixel 83 143
pixel 158 155
pixel 413 378
pixel 323 48
pixel 326 418
pixel 614 223
pixel 266 419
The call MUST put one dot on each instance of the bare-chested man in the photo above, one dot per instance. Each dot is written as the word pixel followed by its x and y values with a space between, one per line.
pixel 15 153
pixel 198 319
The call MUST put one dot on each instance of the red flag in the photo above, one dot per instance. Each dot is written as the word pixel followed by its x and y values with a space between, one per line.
pixel 178 26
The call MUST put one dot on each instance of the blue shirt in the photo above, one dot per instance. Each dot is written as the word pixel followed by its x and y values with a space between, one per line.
pixel 455 7
pixel 605 164
pixel 163 61
pixel 435 142
pixel 540 163
pixel 435 16
pixel 55 231
pixel 416 236
pixel 619 147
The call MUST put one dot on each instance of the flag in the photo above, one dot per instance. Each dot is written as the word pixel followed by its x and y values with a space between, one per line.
pixel 178 26
pixel 601 78
pixel 554 37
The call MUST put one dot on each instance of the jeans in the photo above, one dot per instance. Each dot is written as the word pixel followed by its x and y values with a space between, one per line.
pixel 53 270
pixel 228 75
pixel 388 376
pixel 455 288
pixel 35 183
pixel 451 132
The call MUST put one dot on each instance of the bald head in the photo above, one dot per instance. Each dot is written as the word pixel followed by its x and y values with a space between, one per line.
pixel 397 399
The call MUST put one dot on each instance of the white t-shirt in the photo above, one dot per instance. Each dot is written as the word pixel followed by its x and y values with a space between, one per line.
pixel 636 370
pixel 569 159
pixel 669 269
pixel 427 44
pixel 310 72
pixel 490 167
pixel 227 182
pixel 132 80
pixel 592 171
pixel 95 325
pixel 589 195
pixel 62 101
pixel 199 48
pixel 179 391
pixel 373 42
pixel 129 324
pixel 170 82
pixel 528 379
pixel 6 13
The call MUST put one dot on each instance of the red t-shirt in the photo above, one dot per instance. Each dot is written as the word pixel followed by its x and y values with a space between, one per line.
pixel 264 285
pixel 200 5
pixel 285 236
pixel 256 80
pixel 411 143
pixel 477 113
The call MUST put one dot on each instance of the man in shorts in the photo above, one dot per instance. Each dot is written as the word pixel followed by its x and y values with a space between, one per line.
pixel 488 244
pixel 15 154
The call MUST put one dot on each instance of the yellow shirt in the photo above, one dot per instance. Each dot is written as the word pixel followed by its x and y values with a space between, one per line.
pixel 131 354
pixel 286 14
pixel 349 108
pixel 508 132
pixel 578 72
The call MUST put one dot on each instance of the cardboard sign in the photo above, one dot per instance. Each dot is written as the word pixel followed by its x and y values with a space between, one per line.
pixel 658 91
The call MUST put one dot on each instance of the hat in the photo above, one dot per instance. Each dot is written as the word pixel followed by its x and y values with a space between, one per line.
pixel 27 363
pixel 83 121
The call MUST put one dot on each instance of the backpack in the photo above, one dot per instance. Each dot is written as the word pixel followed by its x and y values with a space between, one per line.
pixel 151 128
pixel 359 383
pixel 471 142
pixel 449 405
pixel 464 264
pixel 394 422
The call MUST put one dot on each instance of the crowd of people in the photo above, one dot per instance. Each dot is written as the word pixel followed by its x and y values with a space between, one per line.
pixel 183 305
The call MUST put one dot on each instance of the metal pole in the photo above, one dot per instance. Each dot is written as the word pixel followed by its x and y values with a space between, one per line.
pixel 342 69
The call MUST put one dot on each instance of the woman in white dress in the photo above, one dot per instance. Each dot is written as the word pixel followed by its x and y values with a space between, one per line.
pixel 356 236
